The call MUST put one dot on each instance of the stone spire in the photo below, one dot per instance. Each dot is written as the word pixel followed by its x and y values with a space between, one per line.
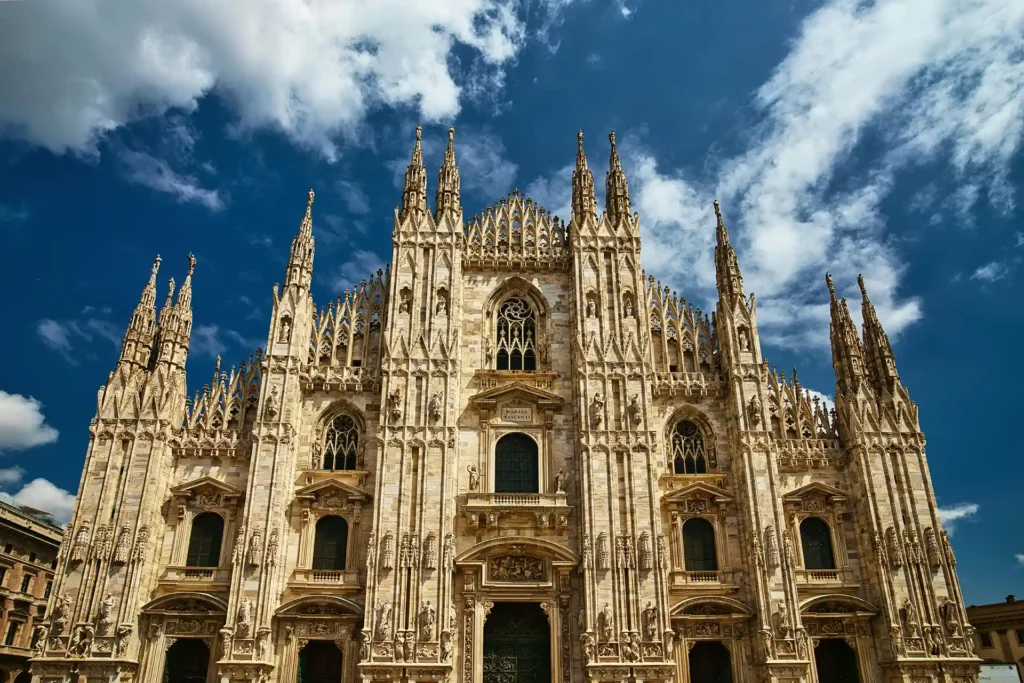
pixel 175 328
pixel 448 183
pixel 879 358
pixel 727 266
pixel 300 259
pixel 138 340
pixel 583 201
pixel 847 355
pixel 414 195
pixel 616 187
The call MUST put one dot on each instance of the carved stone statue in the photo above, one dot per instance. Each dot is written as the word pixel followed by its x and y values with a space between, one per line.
pixel 428 619
pixel 662 552
pixel 910 618
pixel 896 642
pixel 589 648
pixel 272 545
pixel 273 404
pixel 286 329
pixel 244 620
pixel 435 406
pixel 893 546
pixel 947 549
pixel 931 547
pixel 785 631
pixel 430 551
pixel 646 552
pixel 591 309
pixel 596 411
pixel 105 614
pixel 447 647
pixel 787 549
pixel 755 411
pixel 474 477
pixel 395 404
pixel 650 621
pixel 383 619
pixel 124 634
pixel 560 480
pixel 627 308
pixel 448 553
pixel 60 614
pixel 744 340
pixel 588 553
pixel 238 552
pixel 488 350
pixel 80 548
pixel 317 459
pixel 635 410
pixel 606 623
pixel 41 633
pixel 80 644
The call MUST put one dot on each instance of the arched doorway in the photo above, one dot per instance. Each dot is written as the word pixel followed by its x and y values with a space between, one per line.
pixel 710 663
pixel 188 660
pixel 517 644
pixel 23 677
pixel 515 464
pixel 319 662
pixel 835 661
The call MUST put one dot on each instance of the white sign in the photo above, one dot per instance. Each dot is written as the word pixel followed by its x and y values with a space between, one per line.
pixel 516 413
pixel 999 673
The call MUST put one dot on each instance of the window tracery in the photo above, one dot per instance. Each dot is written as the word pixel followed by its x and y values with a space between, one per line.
pixel 340 445
pixel 517 335
pixel 690 455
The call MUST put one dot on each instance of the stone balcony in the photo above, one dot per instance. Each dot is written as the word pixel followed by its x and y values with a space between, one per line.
pixel 197 576
pixel 713 581
pixel 825 577
pixel 318 580
pixel 544 510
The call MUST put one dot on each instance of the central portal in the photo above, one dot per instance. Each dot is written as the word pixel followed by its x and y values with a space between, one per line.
pixel 517 644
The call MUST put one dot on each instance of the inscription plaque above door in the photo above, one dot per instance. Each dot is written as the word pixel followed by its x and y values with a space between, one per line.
pixel 517 412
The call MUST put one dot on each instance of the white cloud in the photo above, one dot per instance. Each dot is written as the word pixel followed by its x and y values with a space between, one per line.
pixel 309 70
pixel 826 399
pixel 554 192
pixel 11 475
pixel 354 197
pixel 990 272
pixel 157 174
pixel 62 336
pixel 44 495
pixel 940 80
pixel 22 424
pixel 1020 558
pixel 361 265
pixel 949 516
pixel 208 340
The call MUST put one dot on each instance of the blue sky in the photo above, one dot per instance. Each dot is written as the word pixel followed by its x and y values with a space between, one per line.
pixel 876 137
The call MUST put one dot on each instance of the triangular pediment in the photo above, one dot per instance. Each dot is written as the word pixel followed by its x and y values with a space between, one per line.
pixel 518 391
pixel 813 489
pixel 332 489
pixel 205 484
pixel 698 489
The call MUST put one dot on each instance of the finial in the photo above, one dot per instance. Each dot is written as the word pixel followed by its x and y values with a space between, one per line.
pixel 831 285
pixel 451 135
pixel 419 132
pixel 863 289
pixel 579 138
pixel 309 202
pixel 611 138
pixel 718 210
pixel 156 265
pixel 191 264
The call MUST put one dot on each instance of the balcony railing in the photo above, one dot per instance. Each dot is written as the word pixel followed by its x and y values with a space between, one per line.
pixel 823 576
pixel 340 578
pixel 197 574
pixel 492 509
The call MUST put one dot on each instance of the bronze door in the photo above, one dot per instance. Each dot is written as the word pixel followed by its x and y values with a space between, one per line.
pixel 517 644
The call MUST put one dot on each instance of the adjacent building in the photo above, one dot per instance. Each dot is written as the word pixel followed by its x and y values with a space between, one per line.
pixel 29 540
pixel 513 457
pixel 999 635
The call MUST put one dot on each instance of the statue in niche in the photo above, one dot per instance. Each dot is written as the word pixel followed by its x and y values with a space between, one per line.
pixel 560 481
pixel 634 409
pixel 474 477
pixel 596 411
pixel 782 619
pixel 588 553
pixel 591 309
pixel 105 614
pixel 606 623
pixel 405 301
pixel 122 547
pixel 542 347
pixel 755 411
pixel 428 619
pixel 273 404
pixel 589 648
pixel 286 329
pixel 603 552
pixel 395 404
pixel 387 552
pixel 646 552
pixel 650 617
pixel 488 350
pixel 435 406
pixel 447 647
pixel 744 340
pixel 60 614
pixel 383 619
pixel 442 305
pixel 627 309
pixel 317 458
pixel 910 618
pixel 244 621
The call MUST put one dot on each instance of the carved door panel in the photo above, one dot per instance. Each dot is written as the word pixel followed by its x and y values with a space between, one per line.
pixel 517 644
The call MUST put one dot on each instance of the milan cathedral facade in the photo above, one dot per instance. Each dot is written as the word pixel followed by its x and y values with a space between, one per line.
pixel 511 458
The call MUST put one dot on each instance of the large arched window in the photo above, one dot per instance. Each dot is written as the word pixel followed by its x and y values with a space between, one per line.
pixel 515 465
pixel 699 545
pixel 331 543
pixel 688 453
pixel 204 543
pixel 817 544
pixel 516 335
pixel 341 442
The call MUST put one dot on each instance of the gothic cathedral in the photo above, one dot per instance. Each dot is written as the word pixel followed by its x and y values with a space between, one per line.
pixel 511 458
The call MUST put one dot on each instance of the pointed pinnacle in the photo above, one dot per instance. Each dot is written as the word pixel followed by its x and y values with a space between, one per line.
pixel 863 289
pixel 417 150
pixel 831 285
pixel 191 265
pixel 156 268
pixel 718 211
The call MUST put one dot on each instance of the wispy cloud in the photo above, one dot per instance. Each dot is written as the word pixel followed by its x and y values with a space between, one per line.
pixel 354 197
pixel 212 341
pixel 63 336
pixel 939 80
pixel 149 171
pixel 950 516
pixel 361 265
pixel 12 216
pixel 990 272
pixel 1020 558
